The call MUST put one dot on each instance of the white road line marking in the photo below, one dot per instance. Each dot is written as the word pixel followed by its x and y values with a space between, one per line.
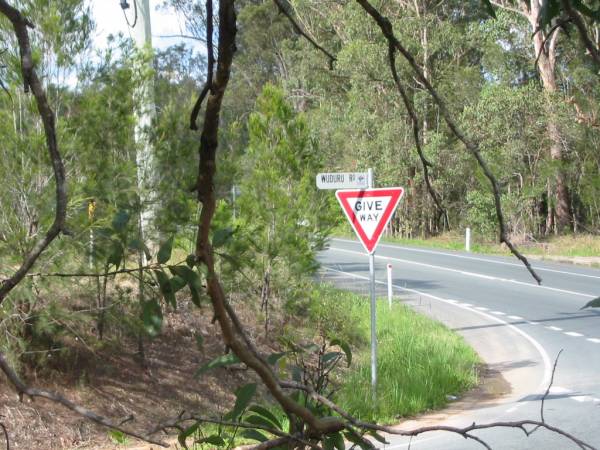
pixel 448 269
pixel 498 313
pixel 581 398
pixel 468 305
pixel 510 410
pixel 515 317
pixel 559 390
pixel 474 258
pixel 481 308
pixel 533 323
pixel 573 333
pixel 553 328
pixel 540 349
pixel 452 301
pixel 594 340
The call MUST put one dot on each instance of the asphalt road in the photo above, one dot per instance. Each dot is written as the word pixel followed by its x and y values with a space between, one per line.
pixel 516 326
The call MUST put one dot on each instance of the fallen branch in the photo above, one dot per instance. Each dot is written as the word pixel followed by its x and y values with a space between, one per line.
pixel 23 389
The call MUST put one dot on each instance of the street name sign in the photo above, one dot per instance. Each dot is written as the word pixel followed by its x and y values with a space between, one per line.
pixel 343 180
pixel 369 211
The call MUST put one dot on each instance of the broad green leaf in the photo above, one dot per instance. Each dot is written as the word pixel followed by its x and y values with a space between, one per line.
pixel 593 303
pixel 138 245
pixel 335 440
pixel 177 283
pixel 165 250
pixel 187 433
pixel 120 221
pixel 215 440
pixel 152 317
pixel 192 279
pixel 116 255
pixel 274 357
pixel 190 260
pixel 378 437
pixel 255 419
pixel 243 397
pixel 330 357
pixel 221 361
pixel 356 439
pixel 345 347
pixel 254 435
pixel 166 288
pixel 266 414
pixel 118 437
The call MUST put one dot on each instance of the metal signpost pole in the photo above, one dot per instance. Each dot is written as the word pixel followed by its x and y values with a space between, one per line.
pixel 373 311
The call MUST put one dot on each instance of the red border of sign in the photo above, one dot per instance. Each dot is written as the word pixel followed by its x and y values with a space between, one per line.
pixel 343 195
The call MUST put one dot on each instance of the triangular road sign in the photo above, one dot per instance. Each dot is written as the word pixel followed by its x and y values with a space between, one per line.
pixel 369 211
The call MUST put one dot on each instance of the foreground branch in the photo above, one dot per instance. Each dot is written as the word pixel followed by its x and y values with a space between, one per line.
pixel 387 30
pixel 583 34
pixel 285 11
pixel 33 83
pixel 23 389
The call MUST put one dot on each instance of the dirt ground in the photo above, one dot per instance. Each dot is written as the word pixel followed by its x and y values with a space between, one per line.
pixel 114 384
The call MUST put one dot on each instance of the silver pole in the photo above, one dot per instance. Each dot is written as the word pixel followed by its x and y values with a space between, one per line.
pixel 373 311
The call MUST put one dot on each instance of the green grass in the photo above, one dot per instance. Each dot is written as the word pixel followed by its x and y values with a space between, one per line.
pixel 420 361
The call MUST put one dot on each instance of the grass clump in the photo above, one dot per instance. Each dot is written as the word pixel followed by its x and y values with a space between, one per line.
pixel 420 361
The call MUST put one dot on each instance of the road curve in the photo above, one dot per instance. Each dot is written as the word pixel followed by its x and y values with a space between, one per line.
pixel 516 326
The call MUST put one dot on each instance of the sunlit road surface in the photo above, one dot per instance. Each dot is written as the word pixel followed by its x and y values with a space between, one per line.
pixel 516 326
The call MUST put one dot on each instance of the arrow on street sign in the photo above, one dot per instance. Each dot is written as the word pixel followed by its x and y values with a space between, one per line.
pixel 369 211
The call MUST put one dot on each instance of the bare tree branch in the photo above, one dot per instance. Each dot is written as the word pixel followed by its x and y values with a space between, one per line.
pixel 387 30
pixel 31 81
pixel 23 389
pixel 549 386
pixel 583 34
pixel 283 8
pixel 416 132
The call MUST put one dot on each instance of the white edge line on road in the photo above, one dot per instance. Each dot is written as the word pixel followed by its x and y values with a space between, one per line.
pixel 474 258
pixel 472 274
pixel 545 358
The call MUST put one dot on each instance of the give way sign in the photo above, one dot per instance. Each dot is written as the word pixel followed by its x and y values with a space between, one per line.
pixel 369 211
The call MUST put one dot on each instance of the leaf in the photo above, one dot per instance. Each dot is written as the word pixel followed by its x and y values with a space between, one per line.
pixel 378 437
pixel 274 357
pixel 356 439
pixel 221 237
pixel 120 221
pixel 221 361
pixel 592 304
pixel 192 279
pixel 267 414
pixel 118 436
pixel 190 260
pixel 255 419
pixel 152 317
pixel 345 347
pixel 187 433
pixel 138 245
pixel 550 9
pixel 166 288
pixel 243 396
pixel 177 283
pixel 254 435
pixel 164 252
pixel 116 255
pixel 215 440
pixel 489 8
pixel 335 440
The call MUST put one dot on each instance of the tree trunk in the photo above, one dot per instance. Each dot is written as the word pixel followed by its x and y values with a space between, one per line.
pixel 545 51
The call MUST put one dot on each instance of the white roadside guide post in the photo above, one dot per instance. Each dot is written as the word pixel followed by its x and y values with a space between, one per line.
pixel 368 211
pixel 389 280
pixel 468 239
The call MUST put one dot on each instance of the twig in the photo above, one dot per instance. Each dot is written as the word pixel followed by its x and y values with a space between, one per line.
pixel 549 386
pixel 285 11
pixel 31 81
pixel 557 26
pixel 23 389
